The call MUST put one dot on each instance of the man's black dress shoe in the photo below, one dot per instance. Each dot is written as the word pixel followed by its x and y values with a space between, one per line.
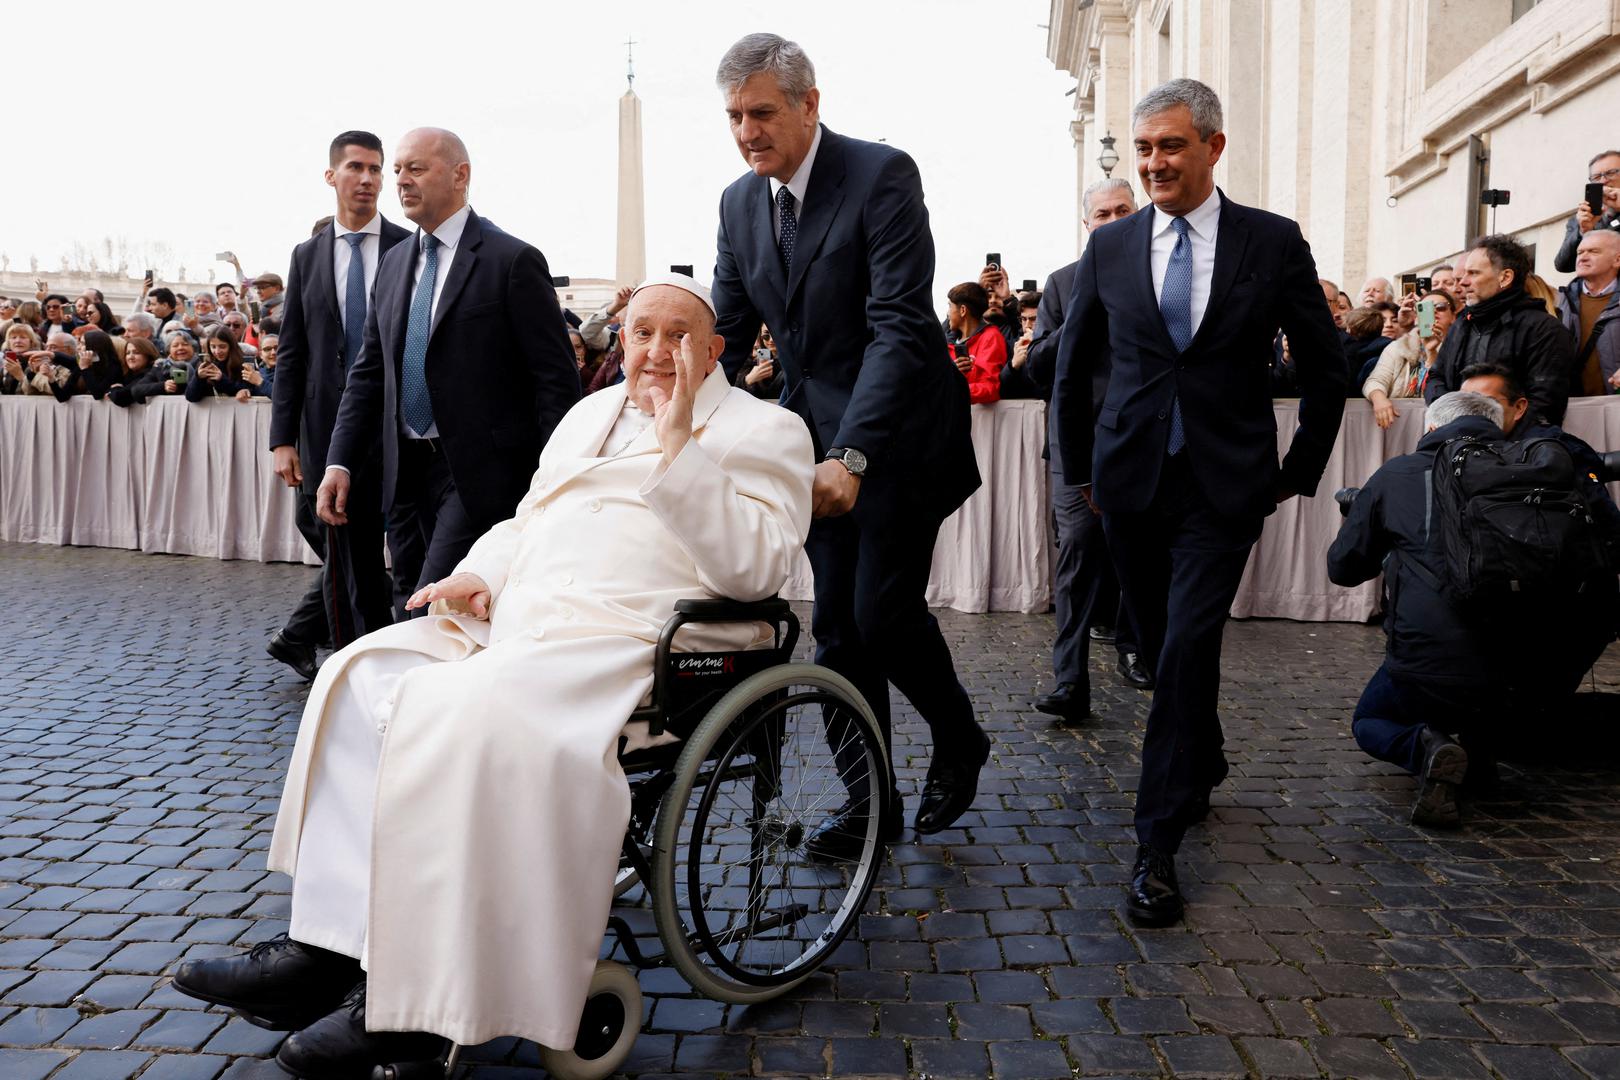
pixel 295 654
pixel 280 984
pixel 1154 898
pixel 338 1046
pixel 840 836
pixel 1065 702
pixel 1133 672
pixel 949 789
pixel 1102 633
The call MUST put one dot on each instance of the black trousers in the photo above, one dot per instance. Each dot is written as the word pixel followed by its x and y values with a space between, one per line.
pixel 1085 588
pixel 429 529
pixel 1179 564
pixel 871 621
pixel 360 601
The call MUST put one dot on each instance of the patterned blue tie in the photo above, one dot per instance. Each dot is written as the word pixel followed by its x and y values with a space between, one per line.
pixel 789 224
pixel 1175 304
pixel 354 302
pixel 415 403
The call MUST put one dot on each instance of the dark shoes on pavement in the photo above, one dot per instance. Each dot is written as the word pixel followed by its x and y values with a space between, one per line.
pixel 279 984
pixel 950 788
pixel 297 655
pixel 338 1046
pixel 1153 898
pixel 1101 633
pixel 1445 764
pixel 840 837
pixel 1132 670
pixel 1066 703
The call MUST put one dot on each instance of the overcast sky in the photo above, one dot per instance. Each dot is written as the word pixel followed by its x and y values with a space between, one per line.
pixel 217 139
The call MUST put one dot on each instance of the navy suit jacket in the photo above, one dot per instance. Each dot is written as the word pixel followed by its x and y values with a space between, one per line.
pixel 853 318
pixel 1264 278
pixel 500 369
pixel 310 365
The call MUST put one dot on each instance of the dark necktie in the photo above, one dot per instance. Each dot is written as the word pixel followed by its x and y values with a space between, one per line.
pixel 1175 304
pixel 415 404
pixel 789 224
pixel 354 301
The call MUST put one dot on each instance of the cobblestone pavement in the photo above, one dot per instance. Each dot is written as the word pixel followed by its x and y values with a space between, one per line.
pixel 143 735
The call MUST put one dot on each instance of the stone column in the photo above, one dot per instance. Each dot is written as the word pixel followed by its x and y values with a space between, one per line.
pixel 630 266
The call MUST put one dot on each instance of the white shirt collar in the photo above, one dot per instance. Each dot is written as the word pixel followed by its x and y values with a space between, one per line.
pixel 1605 291
pixel 370 228
pixel 449 231
pixel 800 183
pixel 1202 220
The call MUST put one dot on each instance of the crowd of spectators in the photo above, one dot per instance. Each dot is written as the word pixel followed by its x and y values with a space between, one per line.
pixel 213 344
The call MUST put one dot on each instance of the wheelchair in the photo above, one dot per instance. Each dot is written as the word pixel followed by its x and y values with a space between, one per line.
pixel 719 825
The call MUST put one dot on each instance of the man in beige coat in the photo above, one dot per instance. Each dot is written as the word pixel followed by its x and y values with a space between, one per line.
pixel 454 808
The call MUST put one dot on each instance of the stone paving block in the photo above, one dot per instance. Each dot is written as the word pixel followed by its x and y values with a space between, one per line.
pixel 185 1067
pixel 947 1059
pixel 104 1065
pixel 1526 1062
pixel 1028 1060
pixel 1201 1055
pixel 181 1030
pixel 1280 1059
pixel 1361 1058
pixel 30 1064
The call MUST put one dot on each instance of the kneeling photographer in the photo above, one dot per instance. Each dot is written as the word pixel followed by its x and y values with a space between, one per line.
pixel 1499 593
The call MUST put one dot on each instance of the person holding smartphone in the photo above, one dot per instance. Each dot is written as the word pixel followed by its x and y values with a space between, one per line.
pixel 1403 367
pixel 978 349
pixel 219 370
pixel 1599 208
pixel 760 375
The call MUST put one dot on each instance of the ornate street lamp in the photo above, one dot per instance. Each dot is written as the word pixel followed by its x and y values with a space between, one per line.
pixel 1109 157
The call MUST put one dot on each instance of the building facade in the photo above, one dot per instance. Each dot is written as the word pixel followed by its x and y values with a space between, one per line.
pixel 1377 124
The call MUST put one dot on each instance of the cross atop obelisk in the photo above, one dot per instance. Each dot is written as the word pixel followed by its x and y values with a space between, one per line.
pixel 630 266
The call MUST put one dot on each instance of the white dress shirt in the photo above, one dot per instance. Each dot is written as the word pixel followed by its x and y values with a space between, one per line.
pixel 1202 224
pixel 629 425
pixel 370 249
pixel 799 184
pixel 449 236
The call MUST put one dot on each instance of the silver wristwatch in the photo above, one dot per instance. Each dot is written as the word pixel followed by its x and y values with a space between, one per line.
pixel 853 460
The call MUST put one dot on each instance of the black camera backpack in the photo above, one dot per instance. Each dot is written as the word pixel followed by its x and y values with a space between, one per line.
pixel 1514 520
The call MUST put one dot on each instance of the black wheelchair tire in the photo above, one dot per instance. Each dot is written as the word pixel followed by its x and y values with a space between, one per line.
pixel 672 927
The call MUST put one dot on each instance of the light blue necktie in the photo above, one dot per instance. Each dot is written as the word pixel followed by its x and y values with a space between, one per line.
pixel 415 404
pixel 789 222
pixel 1175 304
pixel 354 302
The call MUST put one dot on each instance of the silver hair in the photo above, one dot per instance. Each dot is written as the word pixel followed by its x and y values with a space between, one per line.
pixel 204 295
pixel 785 61
pixel 1200 100
pixel 65 338
pixel 141 318
pixel 1461 403
pixel 1105 185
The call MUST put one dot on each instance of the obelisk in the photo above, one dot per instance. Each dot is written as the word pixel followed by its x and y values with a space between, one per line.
pixel 630 267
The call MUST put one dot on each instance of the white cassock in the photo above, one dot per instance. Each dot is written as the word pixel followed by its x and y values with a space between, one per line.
pixel 454 807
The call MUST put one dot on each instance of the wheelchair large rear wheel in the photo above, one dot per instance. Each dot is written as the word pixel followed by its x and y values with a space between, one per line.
pixel 742 908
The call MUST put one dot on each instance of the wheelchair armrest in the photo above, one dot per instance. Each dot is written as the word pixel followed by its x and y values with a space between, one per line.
pixel 709 610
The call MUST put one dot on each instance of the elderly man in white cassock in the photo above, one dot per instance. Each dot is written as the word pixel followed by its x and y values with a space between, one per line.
pixel 454 808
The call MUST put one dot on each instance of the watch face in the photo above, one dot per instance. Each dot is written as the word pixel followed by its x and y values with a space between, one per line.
pixel 856 461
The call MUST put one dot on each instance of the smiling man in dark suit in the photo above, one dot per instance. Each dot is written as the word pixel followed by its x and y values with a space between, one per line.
pixel 322 332
pixel 465 371
pixel 826 241
pixel 1181 460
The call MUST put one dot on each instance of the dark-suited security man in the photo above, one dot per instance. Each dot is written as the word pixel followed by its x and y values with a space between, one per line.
pixel 1188 295
pixel 827 241
pixel 1085 588
pixel 323 326
pixel 466 369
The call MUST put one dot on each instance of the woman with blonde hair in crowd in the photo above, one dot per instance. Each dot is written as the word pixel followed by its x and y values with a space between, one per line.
pixel 20 340
pixel 1403 367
